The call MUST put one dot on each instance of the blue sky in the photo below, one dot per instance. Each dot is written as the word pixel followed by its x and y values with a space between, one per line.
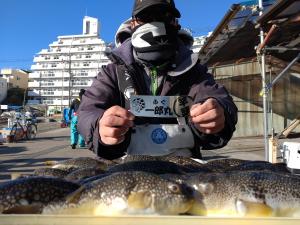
pixel 27 26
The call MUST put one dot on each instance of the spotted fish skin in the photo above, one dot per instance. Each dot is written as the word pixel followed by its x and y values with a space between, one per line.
pixel 260 165
pixel 50 172
pixel 84 173
pixel 129 193
pixel 81 163
pixel 220 165
pixel 219 192
pixel 192 164
pixel 157 167
pixel 25 192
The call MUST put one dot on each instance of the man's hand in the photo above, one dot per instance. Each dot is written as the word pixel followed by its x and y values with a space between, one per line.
pixel 208 117
pixel 114 124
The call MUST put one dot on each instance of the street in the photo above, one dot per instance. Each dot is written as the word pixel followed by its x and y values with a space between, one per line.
pixel 25 156
pixel 52 143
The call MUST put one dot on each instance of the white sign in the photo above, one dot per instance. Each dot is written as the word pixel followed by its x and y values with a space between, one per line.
pixel 4 107
pixel 160 106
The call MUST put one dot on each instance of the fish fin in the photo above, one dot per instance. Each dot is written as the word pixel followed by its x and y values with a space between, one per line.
pixel 197 209
pixel 35 208
pixel 140 200
pixel 74 196
pixel 50 163
pixel 255 209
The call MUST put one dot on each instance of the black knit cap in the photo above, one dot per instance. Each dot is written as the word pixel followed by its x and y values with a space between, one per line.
pixel 140 5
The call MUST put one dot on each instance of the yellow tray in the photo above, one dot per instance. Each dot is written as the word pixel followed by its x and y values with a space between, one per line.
pixel 140 220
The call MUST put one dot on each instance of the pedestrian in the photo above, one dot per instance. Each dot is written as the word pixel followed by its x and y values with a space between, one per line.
pixel 131 106
pixel 73 117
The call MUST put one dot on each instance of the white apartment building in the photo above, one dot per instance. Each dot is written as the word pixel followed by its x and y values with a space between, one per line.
pixel 199 42
pixel 3 89
pixel 68 65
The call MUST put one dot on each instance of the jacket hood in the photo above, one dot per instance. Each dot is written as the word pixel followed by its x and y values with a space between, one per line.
pixel 124 31
pixel 184 61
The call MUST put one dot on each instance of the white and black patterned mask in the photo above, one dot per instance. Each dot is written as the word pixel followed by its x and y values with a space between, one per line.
pixel 155 41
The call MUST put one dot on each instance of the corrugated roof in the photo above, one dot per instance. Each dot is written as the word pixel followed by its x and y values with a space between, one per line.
pixel 236 35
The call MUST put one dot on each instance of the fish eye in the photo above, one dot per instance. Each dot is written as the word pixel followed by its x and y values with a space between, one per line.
pixel 174 188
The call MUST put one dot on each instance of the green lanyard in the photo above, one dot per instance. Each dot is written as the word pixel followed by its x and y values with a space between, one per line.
pixel 154 80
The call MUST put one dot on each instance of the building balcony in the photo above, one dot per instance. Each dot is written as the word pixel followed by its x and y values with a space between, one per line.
pixel 33 93
pixel 49 66
pixel 33 84
pixel 55 102
pixel 55 93
pixel 55 84
pixel 34 75
pixel 33 102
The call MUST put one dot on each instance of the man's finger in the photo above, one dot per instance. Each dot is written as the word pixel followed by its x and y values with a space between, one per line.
pixel 114 132
pixel 199 108
pixel 212 130
pixel 115 121
pixel 208 117
pixel 120 112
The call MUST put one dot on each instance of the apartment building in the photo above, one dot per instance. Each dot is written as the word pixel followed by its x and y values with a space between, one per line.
pixel 16 78
pixel 199 42
pixel 66 66
pixel 3 89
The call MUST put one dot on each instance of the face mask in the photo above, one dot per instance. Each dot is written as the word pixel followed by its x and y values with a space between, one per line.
pixel 155 42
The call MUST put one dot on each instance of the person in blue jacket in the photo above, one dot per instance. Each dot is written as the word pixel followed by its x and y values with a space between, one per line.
pixel 73 117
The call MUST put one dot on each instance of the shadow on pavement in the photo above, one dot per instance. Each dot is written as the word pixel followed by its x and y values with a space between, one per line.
pixel 11 150
pixel 22 166
pixel 62 137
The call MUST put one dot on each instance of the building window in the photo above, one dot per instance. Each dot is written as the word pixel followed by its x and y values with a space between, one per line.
pixel 88 56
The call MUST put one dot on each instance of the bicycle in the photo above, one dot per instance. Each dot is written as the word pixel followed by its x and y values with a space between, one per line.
pixel 22 126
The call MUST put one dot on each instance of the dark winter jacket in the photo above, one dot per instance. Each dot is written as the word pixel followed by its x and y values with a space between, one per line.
pixel 74 106
pixel 188 78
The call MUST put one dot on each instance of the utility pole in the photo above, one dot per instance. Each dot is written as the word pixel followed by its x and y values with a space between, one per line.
pixel 264 94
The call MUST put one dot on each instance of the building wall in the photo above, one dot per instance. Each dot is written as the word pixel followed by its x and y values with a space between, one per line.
pixel 3 89
pixel 243 81
pixel 15 78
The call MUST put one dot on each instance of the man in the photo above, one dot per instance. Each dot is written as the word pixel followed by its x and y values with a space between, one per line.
pixel 131 107
pixel 73 117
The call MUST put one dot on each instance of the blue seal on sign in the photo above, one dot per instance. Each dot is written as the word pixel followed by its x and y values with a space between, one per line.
pixel 159 136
